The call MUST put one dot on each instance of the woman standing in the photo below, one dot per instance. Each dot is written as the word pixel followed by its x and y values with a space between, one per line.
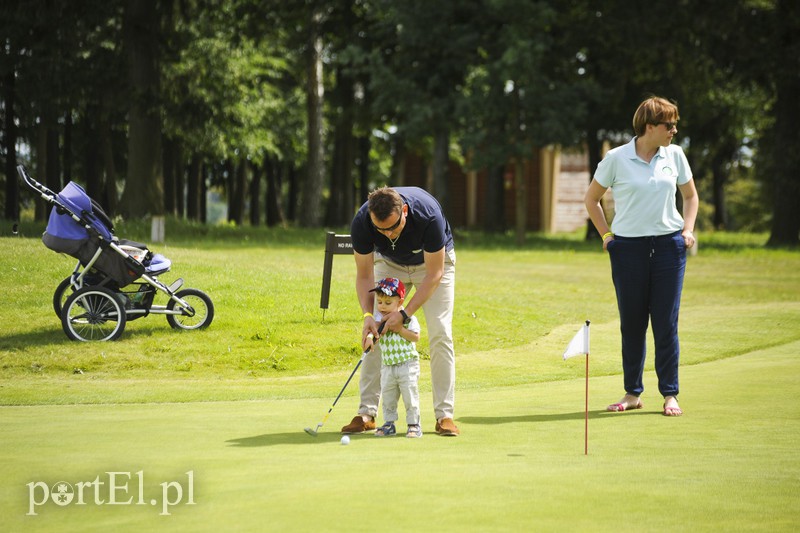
pixel 647 244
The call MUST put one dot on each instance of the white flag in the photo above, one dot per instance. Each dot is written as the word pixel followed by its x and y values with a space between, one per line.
pixel 579 345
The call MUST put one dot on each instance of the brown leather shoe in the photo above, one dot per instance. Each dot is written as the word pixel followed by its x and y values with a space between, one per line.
pixel 447 428
pixel 357 425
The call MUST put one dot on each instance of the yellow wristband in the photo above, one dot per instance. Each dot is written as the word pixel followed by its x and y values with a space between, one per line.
pixel 367 315
pixel 607 235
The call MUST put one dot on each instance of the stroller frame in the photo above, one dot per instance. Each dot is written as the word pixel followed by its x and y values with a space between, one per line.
pixel 98 307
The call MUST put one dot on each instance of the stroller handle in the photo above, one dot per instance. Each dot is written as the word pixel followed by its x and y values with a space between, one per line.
pixel 46 193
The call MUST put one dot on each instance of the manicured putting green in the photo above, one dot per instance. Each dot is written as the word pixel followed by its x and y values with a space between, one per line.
pixel 730 463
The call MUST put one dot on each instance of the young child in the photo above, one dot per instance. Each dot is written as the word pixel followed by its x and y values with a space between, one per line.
pixel 399 361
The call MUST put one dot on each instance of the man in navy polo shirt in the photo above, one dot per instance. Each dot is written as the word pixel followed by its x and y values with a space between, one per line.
pixel 402 233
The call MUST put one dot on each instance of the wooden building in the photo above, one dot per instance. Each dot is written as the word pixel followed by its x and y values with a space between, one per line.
pixel 555 180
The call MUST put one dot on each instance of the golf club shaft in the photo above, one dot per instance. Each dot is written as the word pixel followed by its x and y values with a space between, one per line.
pixel 353 373
pixel 345 385
pixel 325 419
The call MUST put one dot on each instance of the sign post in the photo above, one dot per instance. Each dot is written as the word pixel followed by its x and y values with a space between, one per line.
pixel 334 245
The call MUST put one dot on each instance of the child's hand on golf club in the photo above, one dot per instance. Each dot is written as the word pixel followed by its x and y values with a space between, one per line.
pixel 368 342
pixel 370 328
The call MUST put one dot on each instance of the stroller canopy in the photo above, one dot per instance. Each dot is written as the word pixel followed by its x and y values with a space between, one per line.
pixel 74 199
pixel 79 239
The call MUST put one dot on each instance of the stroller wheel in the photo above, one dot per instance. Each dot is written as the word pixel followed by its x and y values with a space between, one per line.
pixel 93 314
pixel 60 295
pixel 197 315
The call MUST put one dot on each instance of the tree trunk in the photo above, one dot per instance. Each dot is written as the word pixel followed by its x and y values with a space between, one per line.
pixel 520 186
pixel 41 208
pixel 53 167
pixel 786 137
pixel 180 181
pixel 169 162
pixel 521 201
pixel 144 188
pixel 194 189
pixel 364 146
pixel 272 204
pixel 110 199
pixel 311 212
pixel 594 147
pixel 399 161
pixel 441 176
pixel 230 186
pixel 255 195
pixel 495 199
pixel 67 148
pixel 720 178
pixel 92 158
pixel 241 191
pixel 203 194
pixel 11 210
pixel 340 203
pixel 294 191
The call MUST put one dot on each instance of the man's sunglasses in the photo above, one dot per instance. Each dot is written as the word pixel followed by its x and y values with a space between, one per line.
pixel 393 226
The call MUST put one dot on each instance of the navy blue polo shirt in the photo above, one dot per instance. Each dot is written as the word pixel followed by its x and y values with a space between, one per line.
pixel 426 230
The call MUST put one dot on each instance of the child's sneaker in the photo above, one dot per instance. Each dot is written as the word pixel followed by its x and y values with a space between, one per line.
pixel 414 431
pixel 386 430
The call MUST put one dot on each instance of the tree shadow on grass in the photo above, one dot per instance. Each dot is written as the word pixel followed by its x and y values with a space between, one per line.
pixel 44 335
pixel 54 336
pixel 301 437
pixel 551 417
pixel 295 437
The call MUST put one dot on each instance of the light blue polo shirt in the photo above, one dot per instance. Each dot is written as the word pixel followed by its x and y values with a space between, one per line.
pixel 644 193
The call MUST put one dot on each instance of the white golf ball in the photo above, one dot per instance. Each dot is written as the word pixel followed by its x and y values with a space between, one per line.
pixel 345 440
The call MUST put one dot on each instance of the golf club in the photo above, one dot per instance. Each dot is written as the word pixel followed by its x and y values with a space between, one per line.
pixel 313 432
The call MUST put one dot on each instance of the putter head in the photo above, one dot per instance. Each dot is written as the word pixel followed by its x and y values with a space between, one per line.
pixel 313 432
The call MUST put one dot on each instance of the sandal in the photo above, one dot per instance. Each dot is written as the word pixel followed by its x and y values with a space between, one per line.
pixel 386 430
pixel 414 431
pixel 672 410
pixel 620 407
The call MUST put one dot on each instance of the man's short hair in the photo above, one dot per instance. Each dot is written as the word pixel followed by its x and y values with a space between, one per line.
pixel 384 202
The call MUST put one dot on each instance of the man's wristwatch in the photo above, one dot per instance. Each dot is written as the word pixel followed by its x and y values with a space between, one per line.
pixel 406 318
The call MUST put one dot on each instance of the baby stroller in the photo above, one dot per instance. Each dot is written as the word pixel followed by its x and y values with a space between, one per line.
pixel 115 280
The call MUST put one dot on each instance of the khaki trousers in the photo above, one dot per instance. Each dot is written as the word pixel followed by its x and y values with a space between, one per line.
pixel 438 312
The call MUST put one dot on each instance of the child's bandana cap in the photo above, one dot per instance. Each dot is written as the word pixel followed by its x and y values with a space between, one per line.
pixel 391 287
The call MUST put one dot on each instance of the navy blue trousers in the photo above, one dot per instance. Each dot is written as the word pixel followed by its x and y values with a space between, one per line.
pixel 648 278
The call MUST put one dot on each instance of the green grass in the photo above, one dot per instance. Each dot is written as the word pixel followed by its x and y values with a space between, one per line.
pixel 510 304
pixel 229 403
pixel 519 465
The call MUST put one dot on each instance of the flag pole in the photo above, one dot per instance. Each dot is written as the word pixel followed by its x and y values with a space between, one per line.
pixel 580 346
pixel 586 410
